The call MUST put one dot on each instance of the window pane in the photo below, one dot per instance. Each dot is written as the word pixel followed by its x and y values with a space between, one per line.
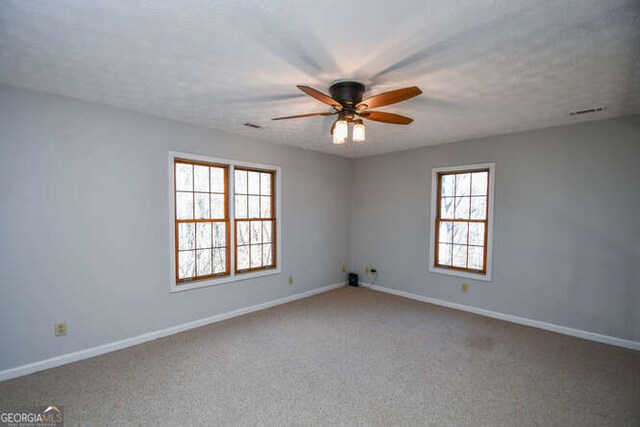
pixel 243 257
pixel 267 252
pixel 256 231
pixel 460 232
pixel 184 177
pixel 459 256
pixel 479 207
pixel 446 208
pixel 266 231
pixel 445 232
pixel 265 184
pixel 254 206
pixel 219 260
pixel 444 254
pixel 265 207
pixel 479 183
pixel 201 178
pixel 256 256
pixel 241 182
pixel 217 180
pixel 217 206
pixel 241 207
pixel 203 261
pixel 202 206
pixel 476 256
pixel 184 205
pixel 243 233
pixel 463 184
pixel 447 186
pixel 186 264
pixel 186 235
pixel 462 207
pixel 476 233
pixel 203 235
pixel 219 234
pixel 254 182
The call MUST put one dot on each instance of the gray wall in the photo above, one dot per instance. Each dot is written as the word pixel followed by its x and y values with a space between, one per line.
pixel 84 224
pixel 567 224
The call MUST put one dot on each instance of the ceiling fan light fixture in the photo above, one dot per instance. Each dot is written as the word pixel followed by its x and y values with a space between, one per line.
pixel 341 131
pixel 346 101
pixel 358 131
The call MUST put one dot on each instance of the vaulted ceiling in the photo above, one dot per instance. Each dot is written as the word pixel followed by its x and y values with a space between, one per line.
pixel 486 67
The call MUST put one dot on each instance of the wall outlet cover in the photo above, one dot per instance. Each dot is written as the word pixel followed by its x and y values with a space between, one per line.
pixel 60 329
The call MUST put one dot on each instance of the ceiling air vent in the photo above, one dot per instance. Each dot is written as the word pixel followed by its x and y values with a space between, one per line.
pixel 252 125
pixel 589 111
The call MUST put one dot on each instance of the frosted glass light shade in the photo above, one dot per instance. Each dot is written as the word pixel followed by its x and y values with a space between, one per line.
pixel 337 140
pixel 358 132
pixel 340 132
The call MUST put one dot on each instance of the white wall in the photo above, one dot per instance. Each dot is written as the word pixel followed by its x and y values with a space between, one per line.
pixel 84 224
pixel 567 224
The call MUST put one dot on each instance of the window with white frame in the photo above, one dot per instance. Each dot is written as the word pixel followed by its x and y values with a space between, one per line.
pixel 462 220
pixel 225 220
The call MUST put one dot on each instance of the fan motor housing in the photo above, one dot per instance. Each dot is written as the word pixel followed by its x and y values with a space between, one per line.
pixel 349 94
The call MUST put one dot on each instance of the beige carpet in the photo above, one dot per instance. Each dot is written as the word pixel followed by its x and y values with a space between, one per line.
pixel 348 357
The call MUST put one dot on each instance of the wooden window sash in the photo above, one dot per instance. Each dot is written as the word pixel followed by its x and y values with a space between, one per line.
pixel 177 222
pixel 439 219
pixel 271 219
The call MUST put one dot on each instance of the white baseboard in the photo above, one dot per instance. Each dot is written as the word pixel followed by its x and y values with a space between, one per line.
pixel 634 345
pixel 64 359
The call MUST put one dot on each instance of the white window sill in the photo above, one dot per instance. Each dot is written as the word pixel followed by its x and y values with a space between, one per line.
pixel 220 281
pixel 467 275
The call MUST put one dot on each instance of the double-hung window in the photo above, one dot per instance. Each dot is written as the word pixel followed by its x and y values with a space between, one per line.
pixel 224 220
pixel 462 221
pixel 254 219
pixel 201 220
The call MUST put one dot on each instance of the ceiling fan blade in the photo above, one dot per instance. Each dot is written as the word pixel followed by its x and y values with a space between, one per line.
pixel 380 116
pixel 391 97
pixel 320 96
pixel 305 115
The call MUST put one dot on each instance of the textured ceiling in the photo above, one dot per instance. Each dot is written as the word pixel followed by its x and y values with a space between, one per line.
pixel 486 67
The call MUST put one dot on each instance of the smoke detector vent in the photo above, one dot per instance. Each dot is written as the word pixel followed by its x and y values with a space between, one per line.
pixel 252 125
pixel 589 111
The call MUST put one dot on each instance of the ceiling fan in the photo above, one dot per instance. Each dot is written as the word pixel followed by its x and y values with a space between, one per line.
pixel 346 101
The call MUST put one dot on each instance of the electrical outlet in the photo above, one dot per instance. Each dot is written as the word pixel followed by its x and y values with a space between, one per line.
pixel 465 287
pixel 291 280
pixel 60 329
pixel 343 269
pixel 366 269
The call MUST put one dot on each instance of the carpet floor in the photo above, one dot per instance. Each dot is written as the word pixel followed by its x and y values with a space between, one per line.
pixel 347 357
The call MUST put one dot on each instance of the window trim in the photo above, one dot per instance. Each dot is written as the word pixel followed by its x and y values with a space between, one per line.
pixel 434 212
pixel 232 276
